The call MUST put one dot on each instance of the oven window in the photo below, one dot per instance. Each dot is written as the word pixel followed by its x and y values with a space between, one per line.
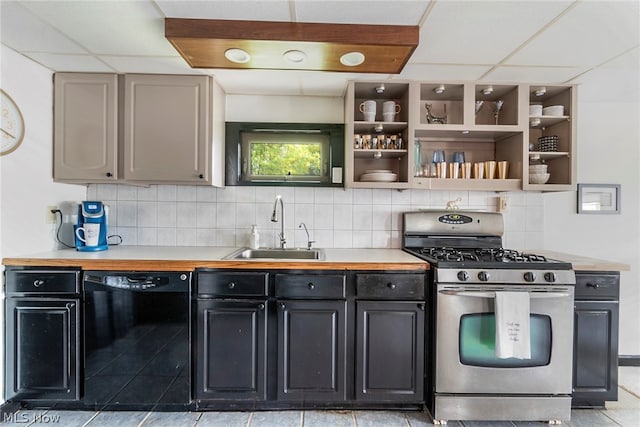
pixel 477 344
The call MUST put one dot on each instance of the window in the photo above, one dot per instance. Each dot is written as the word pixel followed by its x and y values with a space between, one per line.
pixel 274 156
pixel 288 154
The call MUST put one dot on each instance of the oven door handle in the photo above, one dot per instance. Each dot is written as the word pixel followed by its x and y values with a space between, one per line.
pixel 491 294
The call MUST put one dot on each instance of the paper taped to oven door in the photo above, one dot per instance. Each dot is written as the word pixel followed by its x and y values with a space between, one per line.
pixel 512 325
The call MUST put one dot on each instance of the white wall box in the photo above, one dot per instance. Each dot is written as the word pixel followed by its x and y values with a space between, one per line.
pixel 487 122
pixel 167 129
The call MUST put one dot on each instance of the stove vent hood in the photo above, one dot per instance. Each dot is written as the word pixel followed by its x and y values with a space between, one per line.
pixel 355 48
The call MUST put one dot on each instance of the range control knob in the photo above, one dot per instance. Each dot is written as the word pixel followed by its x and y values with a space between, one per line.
pixel 529 277
pixel 483 276
pixel 463 276
pixel 550 277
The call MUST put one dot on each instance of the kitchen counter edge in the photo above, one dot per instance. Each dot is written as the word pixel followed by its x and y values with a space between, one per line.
pixel 148 258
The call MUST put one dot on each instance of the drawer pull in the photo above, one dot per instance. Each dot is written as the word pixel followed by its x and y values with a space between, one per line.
pixel 421 307
pixel 37 283
pixel 311 286
pixel 231 285
pixel 391 285
pixel 593 285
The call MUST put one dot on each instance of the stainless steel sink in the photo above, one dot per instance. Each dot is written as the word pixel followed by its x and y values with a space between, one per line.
pixel 276 253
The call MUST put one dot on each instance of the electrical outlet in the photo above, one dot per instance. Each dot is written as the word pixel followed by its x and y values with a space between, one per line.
pixel 51 216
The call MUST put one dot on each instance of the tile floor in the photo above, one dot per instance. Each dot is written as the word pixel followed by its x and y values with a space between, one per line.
pixel 625 412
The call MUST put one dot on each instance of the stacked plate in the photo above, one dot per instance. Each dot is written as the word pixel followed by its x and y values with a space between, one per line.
pixel 548 143
pixel 378 175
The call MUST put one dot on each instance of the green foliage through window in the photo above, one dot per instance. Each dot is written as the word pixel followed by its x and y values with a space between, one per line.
pixel 291 159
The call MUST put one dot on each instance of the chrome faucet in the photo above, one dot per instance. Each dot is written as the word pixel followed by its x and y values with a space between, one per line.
pixel 274 218
pixel 309 241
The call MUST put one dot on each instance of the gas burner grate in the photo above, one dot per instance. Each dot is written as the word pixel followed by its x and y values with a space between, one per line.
pixel 480 255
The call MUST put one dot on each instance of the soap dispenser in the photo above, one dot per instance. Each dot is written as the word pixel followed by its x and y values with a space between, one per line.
pixel 254 239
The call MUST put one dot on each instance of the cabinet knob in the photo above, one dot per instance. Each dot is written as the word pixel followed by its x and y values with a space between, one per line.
pixel 70 306
pixel 37 283
pixel 261 307
pixel 420 306
pixel 391 285
pixel 109 174
pixel 201 176
pixel 231 285
pixel 282 306
pixel 311 286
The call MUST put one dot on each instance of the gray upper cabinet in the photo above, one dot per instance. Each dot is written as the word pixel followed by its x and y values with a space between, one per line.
pixel 161 129
pixel 85 127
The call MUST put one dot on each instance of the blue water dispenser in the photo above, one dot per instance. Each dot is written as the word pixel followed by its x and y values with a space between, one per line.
pixel 91 229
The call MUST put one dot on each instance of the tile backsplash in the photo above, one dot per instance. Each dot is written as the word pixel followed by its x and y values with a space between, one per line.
pixel 183 215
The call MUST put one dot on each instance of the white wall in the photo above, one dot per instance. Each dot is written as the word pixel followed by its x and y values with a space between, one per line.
pixel 26 185
pixel 608 153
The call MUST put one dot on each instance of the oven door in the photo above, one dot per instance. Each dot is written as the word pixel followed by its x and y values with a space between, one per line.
pixel 465 342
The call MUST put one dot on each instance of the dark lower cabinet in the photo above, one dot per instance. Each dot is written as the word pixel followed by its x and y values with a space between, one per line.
pixel 231 350
pixel 42 335
pixel 311 351
pixel 595 358
pixel 390 351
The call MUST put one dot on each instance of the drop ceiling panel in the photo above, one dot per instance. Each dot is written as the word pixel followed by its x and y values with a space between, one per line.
pixel 398 12
pixel 434 72
pixel 71 63
pixel 108 27
pixel 24 32
pixel 259 82
pixel 591 33
pixel 533 74
pixel 272 10
pixel 151 65
pixel 481 32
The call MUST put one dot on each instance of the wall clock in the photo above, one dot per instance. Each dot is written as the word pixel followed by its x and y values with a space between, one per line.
pixel 12 125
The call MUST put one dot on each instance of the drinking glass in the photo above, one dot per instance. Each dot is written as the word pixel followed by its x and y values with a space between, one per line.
pixel 458 157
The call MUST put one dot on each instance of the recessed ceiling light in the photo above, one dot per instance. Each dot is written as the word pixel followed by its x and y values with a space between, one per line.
pixel 540 91
pixel 352 59
pixel 238 56
pixel 295 56
pixel 439 89
pixel 487 90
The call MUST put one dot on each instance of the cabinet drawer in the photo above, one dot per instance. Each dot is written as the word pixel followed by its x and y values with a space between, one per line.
pixel 597 286
pixel 42 281
pixel 390 286
pixel 311 286
pixel 232 284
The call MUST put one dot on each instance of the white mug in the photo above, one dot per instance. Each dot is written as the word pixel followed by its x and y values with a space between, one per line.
pixel 390 106
pixel 369 117
pixel 91 231
pixel 368 107
pixel 389 116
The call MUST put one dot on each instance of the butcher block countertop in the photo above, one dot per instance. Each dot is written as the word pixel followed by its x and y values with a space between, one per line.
pixel 151 258
pixel 583 263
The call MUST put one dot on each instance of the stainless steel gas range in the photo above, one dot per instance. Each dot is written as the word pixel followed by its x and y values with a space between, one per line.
pixel 502 321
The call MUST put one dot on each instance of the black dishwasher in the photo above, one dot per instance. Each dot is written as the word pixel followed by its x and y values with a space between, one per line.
pixel 136 339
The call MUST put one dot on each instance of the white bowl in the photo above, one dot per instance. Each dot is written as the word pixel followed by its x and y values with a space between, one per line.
pixel 538 168
pixel 539 178
pixel 535 110
pixel 553 110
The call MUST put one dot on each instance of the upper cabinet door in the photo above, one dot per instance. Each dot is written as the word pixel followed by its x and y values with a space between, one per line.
pixel 85 127
pixel 167 128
